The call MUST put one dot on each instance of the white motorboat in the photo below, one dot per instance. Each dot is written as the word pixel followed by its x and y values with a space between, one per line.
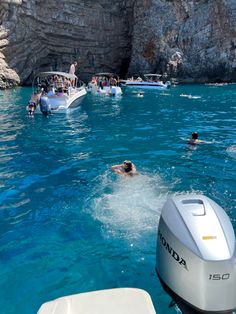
pixel 116 301
pixel 151 81
pixel 55 92
pixel 107 84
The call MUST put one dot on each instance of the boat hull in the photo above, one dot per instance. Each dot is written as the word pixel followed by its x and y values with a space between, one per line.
pixel 106 90
pixel 147 85
pixel 61 104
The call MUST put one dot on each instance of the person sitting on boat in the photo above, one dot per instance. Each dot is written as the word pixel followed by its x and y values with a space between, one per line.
pixel 44 84
pixel 127 168
pixel 51 92
pixel 66 85
pixel 60 82
pixel 55 82
pixel 60 92
pixel 52 83
pixel 104 83
pixel 112 81
pixel 94 81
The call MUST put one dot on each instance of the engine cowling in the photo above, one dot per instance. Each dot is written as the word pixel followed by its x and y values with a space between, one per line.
pixel 196 254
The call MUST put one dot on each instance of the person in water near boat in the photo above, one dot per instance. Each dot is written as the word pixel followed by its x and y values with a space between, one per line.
pixel 127 168
pixel 194 140
pixel 34 100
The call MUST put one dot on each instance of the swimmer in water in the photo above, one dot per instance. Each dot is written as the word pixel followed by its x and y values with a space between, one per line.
pixel 127 168
pixel 194 139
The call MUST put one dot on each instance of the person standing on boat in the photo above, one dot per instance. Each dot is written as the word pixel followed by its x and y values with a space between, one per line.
pixel 72 71
pixel 127 168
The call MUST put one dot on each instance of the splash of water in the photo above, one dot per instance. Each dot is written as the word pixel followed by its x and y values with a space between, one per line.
pixel 128 207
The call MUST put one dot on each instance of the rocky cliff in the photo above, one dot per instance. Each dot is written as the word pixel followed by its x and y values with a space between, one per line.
pixel 189 40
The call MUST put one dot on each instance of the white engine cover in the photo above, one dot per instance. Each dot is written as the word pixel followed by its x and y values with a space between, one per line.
pixel 196 254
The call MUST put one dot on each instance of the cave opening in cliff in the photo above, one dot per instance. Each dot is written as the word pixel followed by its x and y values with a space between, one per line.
pixel 124 67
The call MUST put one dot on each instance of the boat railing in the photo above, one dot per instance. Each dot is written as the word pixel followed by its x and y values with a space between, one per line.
pixel 80 84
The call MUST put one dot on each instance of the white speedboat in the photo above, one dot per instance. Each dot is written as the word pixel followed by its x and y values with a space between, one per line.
pixel 55 92
pixel 116 301
pixel 151 81
pixel 107 84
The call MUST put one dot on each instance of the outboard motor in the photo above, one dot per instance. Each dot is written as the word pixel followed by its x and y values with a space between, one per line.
pixel 113 90
pixel 196 254
pixel 45 106
pixel 168 83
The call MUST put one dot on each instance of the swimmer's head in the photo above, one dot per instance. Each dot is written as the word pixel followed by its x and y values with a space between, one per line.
pixel 127 165
pixel 195 135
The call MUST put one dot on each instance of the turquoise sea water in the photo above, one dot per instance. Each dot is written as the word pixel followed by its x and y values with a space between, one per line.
pixel 68 224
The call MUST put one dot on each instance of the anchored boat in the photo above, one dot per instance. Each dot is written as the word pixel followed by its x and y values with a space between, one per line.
pixel 150 81
pixel 107 84
pixel 55 92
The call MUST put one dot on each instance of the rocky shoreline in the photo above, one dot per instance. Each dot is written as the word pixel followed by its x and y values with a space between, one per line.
pixel 191 41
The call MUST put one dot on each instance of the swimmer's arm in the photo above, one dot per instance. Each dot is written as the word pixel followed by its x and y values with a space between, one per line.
pixel 115 167
pixel 191 141
pixel 205 142
pixel 118 168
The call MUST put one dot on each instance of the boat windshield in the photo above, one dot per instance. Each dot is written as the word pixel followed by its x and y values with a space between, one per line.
pixel 153 77
pixel 54 81
pixel 106 79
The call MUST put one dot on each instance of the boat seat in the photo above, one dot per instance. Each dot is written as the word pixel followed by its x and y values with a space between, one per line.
pixel 111 301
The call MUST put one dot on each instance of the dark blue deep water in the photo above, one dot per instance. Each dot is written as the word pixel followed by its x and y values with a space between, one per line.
pixel 68 224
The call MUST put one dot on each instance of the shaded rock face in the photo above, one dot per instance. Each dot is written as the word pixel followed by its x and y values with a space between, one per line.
pixel 189 40
pixel 49 35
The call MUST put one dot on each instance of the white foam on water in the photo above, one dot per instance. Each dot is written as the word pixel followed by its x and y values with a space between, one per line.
pixel 190 96
pixel 128 207
pixel 231 150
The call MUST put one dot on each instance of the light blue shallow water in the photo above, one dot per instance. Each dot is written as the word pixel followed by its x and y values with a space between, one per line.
pixel 68 224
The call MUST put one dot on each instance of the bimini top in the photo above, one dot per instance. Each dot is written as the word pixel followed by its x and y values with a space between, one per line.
pixel 153 75
pixel 106 74
pixel 52 73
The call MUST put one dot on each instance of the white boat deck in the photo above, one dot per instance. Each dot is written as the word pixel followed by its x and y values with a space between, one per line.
pixel 112 301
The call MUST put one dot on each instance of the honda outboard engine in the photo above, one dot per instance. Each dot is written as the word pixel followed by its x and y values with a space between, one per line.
pixel 196 254
pixel 45 106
